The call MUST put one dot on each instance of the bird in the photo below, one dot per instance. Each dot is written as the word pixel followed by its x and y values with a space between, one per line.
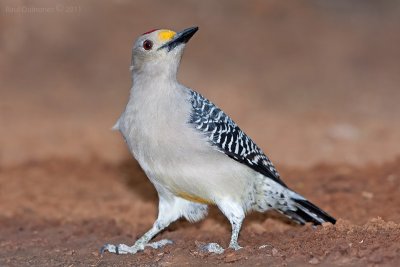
pixel 193 153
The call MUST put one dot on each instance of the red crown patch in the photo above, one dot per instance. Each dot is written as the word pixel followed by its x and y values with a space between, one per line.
pixel 150 31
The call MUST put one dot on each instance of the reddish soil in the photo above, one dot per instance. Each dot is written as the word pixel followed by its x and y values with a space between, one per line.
pixel 60 212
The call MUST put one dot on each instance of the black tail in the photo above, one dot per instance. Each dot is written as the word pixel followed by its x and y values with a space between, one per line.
pixel 308 212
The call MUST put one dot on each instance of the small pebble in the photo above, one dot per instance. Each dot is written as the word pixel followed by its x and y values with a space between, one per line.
pixel 313 261
pixel 275 252
pixel 367 195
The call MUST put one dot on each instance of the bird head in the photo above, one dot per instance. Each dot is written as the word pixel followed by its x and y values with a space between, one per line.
pixel 159 52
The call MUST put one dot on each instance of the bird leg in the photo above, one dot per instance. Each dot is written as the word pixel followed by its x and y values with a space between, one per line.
pixel 235 214
pixel 166 215
pixel 236 225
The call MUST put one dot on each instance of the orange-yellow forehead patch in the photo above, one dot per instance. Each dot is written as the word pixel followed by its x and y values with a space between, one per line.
pixel 166 35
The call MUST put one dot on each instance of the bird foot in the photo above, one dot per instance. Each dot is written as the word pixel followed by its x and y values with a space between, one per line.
pixel 234 246
pixel 212 248
pixel 125 249
pixel 159 244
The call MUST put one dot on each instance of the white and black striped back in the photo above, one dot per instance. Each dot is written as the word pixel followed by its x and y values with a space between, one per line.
pixel 224 134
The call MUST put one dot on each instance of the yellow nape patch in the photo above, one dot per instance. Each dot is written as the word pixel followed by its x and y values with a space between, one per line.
pixel 194 198
pixel 166 35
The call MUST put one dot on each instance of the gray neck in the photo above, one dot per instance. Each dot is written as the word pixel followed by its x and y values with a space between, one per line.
pixel 161 69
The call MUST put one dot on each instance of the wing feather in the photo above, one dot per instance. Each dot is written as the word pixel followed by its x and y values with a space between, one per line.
pixel 228 138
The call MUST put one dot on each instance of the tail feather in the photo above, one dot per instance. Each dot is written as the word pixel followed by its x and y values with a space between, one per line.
pixel 294 216
pixel 308 212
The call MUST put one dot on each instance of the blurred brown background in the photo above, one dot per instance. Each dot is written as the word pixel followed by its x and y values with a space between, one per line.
pixel 309 81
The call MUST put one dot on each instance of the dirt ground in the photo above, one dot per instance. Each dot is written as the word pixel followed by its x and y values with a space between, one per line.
pixel 314 83
pixel 60 212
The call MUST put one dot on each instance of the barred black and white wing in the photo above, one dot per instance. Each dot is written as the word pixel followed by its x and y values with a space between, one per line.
pixel 227 137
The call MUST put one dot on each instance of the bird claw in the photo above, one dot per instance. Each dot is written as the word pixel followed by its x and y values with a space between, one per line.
pixel 119 249
pixel 235 246
pixel 212 248
pixel 125 249
pixel 159 244
pixel 110 248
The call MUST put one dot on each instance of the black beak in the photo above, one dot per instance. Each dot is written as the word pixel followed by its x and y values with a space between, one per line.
pixel 180 38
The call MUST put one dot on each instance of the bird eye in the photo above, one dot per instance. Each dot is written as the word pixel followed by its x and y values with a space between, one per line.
pixel 147 44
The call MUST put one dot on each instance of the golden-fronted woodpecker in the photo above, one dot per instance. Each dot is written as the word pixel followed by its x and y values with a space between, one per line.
pixel 194 154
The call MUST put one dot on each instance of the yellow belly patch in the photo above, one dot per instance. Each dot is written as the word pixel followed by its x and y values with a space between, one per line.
pixel 194 198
